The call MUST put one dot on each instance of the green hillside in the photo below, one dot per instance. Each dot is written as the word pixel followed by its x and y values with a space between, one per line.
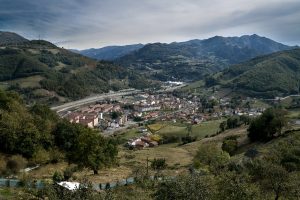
pixel 273 75
pixel 192 60
pixel 41 71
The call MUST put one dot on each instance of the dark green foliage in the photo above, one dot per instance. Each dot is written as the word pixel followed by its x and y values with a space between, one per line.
pixel 268 76
pixel 90 149
pixel 15 164
pixel 230 146
pixel 234 122
pixel 191 187
pixel 68 172
pixel 38 133
pixel 158 164
pixel 234 186
pixel 188 139
pixel 57 176
pixel 268 125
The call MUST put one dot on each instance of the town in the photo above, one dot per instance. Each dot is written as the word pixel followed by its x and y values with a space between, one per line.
pixel 113 115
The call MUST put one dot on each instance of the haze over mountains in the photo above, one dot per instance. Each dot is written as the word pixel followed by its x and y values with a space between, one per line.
pixel 191 60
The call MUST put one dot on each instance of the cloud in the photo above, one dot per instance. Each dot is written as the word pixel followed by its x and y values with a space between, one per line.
pixel 94 23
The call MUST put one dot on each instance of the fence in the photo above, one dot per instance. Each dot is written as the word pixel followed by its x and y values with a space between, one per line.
pixel 13 183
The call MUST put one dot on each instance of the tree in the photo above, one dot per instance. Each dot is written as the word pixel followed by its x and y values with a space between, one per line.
pixel 191 187
pixel 268 125
pixel 233 186
pixel 272 177
pixel 92 150
pixel 15 164
pixel 211 156
pixel 230 146
pixel 223 126
pixel 158 164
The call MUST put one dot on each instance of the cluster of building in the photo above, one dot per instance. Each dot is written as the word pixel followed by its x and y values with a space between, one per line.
pixel 164 107
pixel 145 140
pixel 95 115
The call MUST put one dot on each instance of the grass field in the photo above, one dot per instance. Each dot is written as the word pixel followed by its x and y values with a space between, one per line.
pixel 201 130
pixel 294 113
pixel 28 82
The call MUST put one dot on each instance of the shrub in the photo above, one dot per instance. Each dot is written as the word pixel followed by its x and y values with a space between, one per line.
pixel 55 156
pixel 57 176
pixel 230 146
pixel 2 165
pixel 188 139
pixel 158 164
pixel 170 139
pixel 41 156
pixel 15 164
pixel 68 173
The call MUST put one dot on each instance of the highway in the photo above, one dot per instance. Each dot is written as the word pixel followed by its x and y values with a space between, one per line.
pixel 89 100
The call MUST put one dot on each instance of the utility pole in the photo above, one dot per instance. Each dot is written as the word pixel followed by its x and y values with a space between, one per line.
pixel 147 166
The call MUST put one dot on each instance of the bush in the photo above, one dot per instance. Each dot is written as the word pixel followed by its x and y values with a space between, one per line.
pixel 158 164
pixel 230 146
pixel 57 176
pixel 41 156
pixel 2 165
pixel 188 139
pixel 15 164
pixel 268 125
pixel 55 156
pixel 68 173
pixel 170 139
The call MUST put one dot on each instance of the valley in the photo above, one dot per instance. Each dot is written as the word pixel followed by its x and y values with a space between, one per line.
pixel 151 114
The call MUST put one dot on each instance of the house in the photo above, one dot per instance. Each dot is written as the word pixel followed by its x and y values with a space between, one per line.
pixel 146 108
pixel 73 117
pixel 87 122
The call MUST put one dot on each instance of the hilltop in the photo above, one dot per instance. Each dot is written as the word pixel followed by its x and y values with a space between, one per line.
pixel 11 38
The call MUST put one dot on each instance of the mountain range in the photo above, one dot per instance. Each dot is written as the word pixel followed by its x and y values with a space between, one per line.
pixel 253 65
pixel 109 53
pixel 191 60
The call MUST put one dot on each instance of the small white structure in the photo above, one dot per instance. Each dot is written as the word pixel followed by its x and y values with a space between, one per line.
pixel 69 185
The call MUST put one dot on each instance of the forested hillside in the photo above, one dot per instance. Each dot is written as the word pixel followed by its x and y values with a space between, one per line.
pixel 273 75
pixel 41 71
pixel 37 135
pixel 194 59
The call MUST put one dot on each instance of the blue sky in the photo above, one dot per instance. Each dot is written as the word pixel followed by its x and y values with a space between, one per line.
pixel 95 23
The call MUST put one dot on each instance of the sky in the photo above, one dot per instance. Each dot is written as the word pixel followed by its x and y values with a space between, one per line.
pixel 81 24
